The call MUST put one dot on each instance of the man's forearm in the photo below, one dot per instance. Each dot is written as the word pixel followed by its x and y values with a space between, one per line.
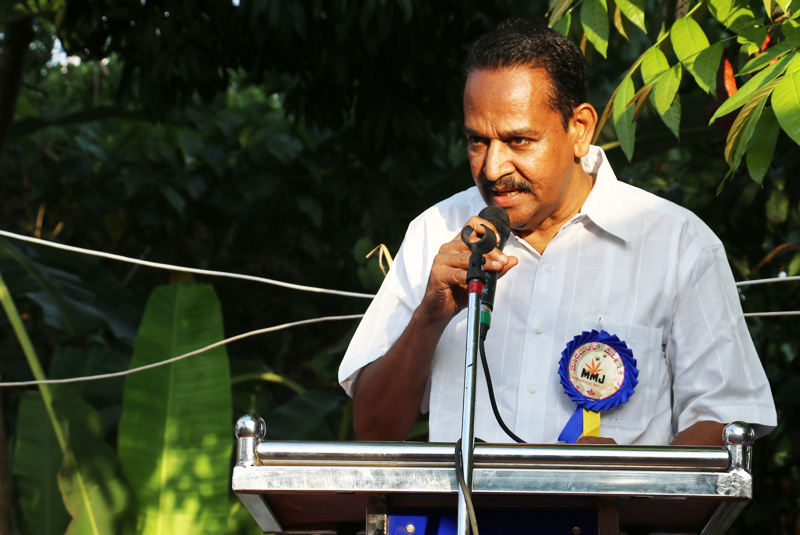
pixel 388 392
pixel 705 433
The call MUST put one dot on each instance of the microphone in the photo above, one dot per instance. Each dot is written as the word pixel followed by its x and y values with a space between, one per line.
pixel 499 218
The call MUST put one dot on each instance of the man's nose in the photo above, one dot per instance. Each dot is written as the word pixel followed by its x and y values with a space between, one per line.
pixel 497 162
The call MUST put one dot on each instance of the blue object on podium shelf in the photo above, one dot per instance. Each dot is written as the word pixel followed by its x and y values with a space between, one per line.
pixel 395 488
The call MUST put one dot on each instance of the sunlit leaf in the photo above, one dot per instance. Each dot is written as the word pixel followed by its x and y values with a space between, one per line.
pixel 744 125
pixel 620 22
pixel 557 10
pixel 688 41
pixel 96 495
pixel 634 11
pixel 762 145
pixel 734 14
pixel 37 459
pixel 174 436
pixel 653 64
pixel 666 89
pixel 622 116
pixel 744 93
pixel 594 19
pixel 763 59
pixel 786 105
pixel 563 24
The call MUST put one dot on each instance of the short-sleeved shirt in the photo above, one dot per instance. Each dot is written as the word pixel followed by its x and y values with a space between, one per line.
pixel 629 263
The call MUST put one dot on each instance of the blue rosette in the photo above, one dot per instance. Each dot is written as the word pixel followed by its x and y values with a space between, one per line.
pixel 584 382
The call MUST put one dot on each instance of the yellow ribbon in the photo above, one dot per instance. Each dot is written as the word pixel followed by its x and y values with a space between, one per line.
pixel 591 423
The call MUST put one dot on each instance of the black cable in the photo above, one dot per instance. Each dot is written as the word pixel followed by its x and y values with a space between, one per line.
pixel 473 521
pixel 491 396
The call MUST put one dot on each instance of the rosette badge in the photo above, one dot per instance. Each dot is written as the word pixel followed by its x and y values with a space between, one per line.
pixel 598 372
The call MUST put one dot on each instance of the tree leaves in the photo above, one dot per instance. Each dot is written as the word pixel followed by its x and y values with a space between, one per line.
pixel 94 491
pixel 634 11
pixel 37 458
pixel 656 69
pixel 594 19
pixel 557 10
pixel 174 436
pixel 754 84
pixel 786 104
pixel 622 116
pixel 762 145
pixel 692 49
pixel 763 59
pixel 744 126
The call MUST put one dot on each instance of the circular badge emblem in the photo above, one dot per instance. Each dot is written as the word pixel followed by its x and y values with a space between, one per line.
pixel 596 370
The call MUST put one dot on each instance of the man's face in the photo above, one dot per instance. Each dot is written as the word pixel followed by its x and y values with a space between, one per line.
pixel 521 158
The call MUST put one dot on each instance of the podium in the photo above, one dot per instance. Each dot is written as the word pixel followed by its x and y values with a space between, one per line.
pixel 394 488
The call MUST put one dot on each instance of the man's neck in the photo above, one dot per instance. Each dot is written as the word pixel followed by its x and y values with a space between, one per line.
pixel 540 237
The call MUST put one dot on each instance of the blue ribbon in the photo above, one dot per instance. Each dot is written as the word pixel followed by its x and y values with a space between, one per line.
pixel 574 428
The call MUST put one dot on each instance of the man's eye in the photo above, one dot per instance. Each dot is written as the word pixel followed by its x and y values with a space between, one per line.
pixel 475 140
pixel 519 141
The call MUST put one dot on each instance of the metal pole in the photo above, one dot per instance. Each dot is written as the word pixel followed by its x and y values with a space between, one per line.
pixel 468 413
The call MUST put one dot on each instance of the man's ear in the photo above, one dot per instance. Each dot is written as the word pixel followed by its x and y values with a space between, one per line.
pixel 582 125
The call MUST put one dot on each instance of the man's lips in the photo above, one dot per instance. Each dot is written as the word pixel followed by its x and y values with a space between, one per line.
pixel 505 192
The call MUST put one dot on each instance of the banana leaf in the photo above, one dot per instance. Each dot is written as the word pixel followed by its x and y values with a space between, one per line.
pixel 176 432
pixel 96 495
pixel 37 458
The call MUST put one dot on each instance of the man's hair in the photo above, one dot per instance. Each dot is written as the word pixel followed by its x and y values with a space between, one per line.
pixel 520 43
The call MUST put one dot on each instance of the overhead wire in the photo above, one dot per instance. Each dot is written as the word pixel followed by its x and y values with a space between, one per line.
pixel 300 287
pixel 180 357
pixel 185 269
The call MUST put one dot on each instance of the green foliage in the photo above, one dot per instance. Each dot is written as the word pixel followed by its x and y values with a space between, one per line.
pixel 292 138
pixel 37 459
pixel 174 435
pixel 762 145
pixel 786 104
pixel 623 117
pixel 96 495
pixel 594 19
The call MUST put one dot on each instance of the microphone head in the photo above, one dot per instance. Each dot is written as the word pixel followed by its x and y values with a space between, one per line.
pixel 499 218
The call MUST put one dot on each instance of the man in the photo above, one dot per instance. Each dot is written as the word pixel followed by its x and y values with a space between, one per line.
pixel 586 253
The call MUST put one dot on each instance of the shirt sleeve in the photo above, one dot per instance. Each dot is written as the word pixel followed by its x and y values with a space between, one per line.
pixel 717 374
pixel 390 311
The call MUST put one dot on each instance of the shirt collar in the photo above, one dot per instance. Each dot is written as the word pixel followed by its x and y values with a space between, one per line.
pixel 603 204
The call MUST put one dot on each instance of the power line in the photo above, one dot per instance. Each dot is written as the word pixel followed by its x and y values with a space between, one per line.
pixel 182 268
pixel 180 357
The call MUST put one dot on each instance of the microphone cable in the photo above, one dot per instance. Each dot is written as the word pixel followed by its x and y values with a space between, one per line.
pixel 492 400
pixel 473 521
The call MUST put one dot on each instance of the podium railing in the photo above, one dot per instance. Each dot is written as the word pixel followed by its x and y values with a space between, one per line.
pixel 350 487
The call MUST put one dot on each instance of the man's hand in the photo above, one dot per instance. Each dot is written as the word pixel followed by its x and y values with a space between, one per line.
pixel 446 292
pixel 388 392
pixel 595 440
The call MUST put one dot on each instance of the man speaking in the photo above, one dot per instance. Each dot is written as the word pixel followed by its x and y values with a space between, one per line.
pixel 608 295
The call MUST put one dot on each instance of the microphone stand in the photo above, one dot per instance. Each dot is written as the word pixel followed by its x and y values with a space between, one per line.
pixel 476 278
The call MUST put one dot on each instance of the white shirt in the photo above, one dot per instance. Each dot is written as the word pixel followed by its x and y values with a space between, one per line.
pixel 630 263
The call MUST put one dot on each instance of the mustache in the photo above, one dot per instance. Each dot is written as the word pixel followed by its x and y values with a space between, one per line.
pixel 507 184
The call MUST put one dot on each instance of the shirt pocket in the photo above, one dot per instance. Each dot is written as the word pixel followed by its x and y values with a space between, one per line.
pixel 645 343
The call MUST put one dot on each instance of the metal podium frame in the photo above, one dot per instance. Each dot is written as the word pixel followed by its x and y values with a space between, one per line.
pixel 352 487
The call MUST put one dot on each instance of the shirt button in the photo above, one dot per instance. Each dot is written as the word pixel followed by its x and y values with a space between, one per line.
pixel 539 329
pixel 532 389
pixel 548 267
